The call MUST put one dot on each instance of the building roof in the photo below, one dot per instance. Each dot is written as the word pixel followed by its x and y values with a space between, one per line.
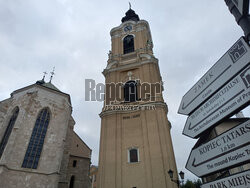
pixel 130 15
pixel 78 147
pixel 43 84
pixel 48 85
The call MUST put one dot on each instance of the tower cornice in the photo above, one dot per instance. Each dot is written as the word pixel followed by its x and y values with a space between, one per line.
pixel 123 66
pixel 116 111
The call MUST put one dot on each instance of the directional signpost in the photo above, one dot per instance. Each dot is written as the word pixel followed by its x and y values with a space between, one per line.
pixel 240 180
pixel 228 149
pixel 220 93
pixel 223 70
pixel 229 99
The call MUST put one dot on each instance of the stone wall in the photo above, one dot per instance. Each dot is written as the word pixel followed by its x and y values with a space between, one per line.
pixel 10 178
pixel 61 146
pixel 80 171
pixel 31 100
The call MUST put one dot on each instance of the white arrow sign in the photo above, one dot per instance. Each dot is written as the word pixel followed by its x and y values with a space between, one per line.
pixel 234 96
pixel 222 151
pixel 223 70
pixel 239 180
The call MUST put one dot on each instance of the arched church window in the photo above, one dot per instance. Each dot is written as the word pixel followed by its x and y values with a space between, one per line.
pixel 72 180
pixel 128 44
pixel 35 146
pixel 130 91
pixel 8 130
pixel 133 155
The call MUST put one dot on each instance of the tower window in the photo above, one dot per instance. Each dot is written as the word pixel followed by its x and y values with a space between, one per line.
pixel 8 130
pixel 133 155
pixel 74 163
pixel 130 91
pixel 128 44
pixel 35 146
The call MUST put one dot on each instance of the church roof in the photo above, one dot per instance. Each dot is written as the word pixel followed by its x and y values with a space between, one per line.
pixel 130 15
pixel 43 84
pixel 48 85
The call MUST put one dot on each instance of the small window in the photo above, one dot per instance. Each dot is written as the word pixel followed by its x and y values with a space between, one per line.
pixel 130 91
pixel 74 163
pixel 133 156
pixel 128 44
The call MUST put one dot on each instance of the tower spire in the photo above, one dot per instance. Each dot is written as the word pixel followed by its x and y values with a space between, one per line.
pixel 52 74
pixel 130 15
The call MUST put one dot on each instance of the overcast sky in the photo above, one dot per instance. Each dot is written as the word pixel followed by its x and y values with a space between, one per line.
pixel 73 35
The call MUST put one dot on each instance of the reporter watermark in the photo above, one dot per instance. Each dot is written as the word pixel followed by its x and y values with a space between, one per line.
pixel 122 92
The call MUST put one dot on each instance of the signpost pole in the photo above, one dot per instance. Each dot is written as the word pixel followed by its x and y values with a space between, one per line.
pixel 240 9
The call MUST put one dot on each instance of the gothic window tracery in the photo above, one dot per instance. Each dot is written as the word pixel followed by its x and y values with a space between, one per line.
pixel 35 146
pixel 8 130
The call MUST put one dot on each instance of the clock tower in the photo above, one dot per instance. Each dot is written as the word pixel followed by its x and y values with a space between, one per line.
pixel 135 146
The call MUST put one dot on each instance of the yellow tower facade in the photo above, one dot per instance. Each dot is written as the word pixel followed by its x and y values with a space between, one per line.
pixel 135 146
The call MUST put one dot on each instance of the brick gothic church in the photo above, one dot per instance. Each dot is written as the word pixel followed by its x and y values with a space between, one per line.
pixel 38 146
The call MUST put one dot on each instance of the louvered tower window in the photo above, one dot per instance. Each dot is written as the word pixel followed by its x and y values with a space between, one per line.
pixel 128 44
pixel 130 91
pixel 35 146
pixel 8 130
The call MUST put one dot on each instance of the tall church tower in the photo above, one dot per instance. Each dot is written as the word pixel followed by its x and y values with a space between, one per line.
pixel 135 147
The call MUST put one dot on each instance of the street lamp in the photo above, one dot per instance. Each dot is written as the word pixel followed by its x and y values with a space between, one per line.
pixel 171 173
pixel 182 177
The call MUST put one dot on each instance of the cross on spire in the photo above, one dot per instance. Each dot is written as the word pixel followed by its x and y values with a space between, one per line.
pixel 44 74
pixel 52 74
pixel 129 5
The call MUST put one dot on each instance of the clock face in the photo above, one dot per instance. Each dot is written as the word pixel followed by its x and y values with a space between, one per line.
pixel 127 28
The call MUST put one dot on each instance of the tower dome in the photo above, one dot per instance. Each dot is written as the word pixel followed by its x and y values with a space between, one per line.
pixel 130 15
